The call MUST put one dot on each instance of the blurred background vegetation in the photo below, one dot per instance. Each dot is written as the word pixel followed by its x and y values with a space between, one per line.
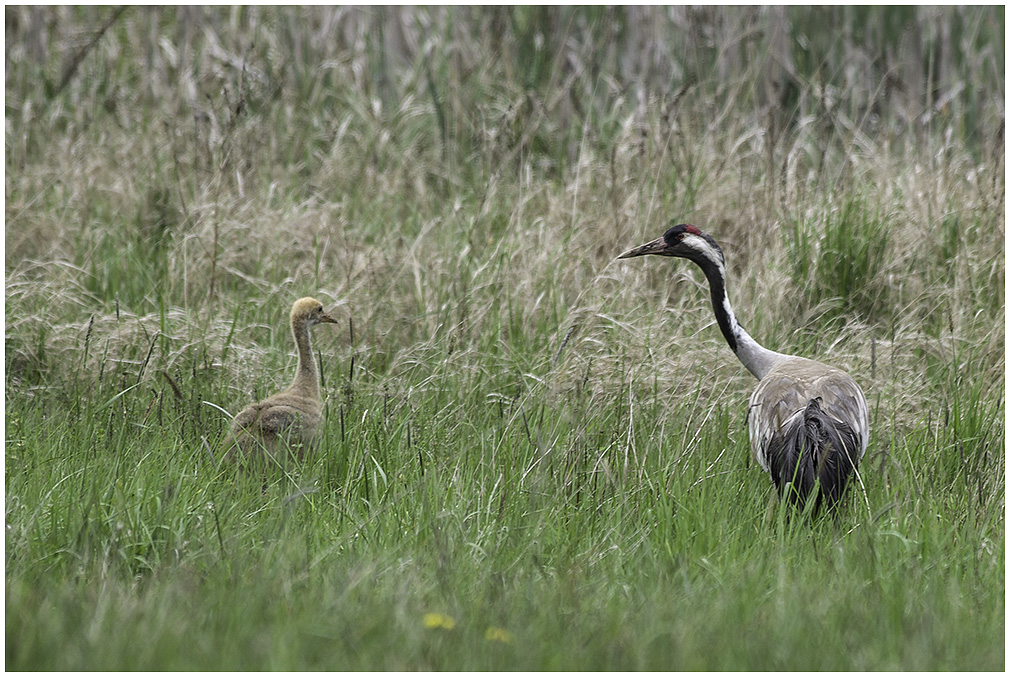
pixel 157 154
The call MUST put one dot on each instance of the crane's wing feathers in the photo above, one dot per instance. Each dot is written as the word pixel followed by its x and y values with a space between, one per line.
pixel 790 387
pixel 812 447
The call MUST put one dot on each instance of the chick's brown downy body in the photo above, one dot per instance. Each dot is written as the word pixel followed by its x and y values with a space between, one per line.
pixel 292 418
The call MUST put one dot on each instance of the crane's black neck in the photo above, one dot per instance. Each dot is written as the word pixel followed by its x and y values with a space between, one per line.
pixel 720 304
pixel 758 359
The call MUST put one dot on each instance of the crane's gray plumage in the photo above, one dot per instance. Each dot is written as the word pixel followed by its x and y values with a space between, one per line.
pixel 808 422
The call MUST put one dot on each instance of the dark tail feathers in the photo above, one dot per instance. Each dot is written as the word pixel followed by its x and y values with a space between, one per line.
pixel 810 448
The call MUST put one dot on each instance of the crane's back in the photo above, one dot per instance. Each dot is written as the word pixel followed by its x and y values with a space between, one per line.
pixel 789 387
pixel 802 403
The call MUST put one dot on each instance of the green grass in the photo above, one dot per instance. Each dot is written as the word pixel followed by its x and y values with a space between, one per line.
pixel 839 271
pixel 534 457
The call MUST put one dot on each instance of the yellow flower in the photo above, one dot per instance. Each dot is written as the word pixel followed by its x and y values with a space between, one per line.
pixel 436 620
pixel 496 634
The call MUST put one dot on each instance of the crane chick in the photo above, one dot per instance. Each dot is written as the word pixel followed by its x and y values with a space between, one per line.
pixel 808 422
pixel 293 417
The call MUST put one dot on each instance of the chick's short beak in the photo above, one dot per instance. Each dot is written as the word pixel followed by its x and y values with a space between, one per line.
pixel 326 318
pixel 655 247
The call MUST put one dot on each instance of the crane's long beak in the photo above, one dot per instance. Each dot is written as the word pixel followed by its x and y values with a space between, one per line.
pixel 655 247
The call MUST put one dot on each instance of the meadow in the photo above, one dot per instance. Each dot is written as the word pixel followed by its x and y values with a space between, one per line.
pixel 535 457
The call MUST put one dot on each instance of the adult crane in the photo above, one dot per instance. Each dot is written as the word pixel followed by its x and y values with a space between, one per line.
pixel 808 422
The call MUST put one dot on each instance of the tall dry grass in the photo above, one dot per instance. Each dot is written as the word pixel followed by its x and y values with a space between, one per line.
pixel 194 167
